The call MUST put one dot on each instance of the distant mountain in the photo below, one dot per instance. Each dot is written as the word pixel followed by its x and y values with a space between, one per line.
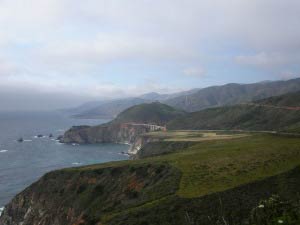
pixel 272 113
pixel 154 96
pixel 110 109
pixel 287 100
pixel 150 113
pixel 231 94
pixel 192 100
pixel 84 107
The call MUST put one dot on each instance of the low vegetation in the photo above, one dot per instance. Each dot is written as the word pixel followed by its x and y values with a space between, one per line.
pixel 240 117
pixel 230 176
pixel 151 113
pixel 200 182
pixel 193 135
pixel 281 113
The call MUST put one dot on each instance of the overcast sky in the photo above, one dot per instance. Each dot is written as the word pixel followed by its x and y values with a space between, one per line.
pixel 56 53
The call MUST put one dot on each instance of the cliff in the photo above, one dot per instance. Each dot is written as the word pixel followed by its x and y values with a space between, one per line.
pixel 127 133
pixel 212 182
pixel 89 195
pixel 146 195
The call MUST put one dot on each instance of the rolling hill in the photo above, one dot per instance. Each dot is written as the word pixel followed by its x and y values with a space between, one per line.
pixel 250 180
pixel 192 100
pixel 150 113
pixel 231 94
pixel 111 108
pixel 287 100
pixel 268 114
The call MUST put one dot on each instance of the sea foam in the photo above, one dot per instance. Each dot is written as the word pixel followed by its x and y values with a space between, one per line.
pixel 2 151
pixel 1 210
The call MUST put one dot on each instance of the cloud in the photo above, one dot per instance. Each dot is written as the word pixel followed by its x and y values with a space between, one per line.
pixel 286 75
pixel 263 59
pixel 68 45
pixel 7 68
pixel 273 61
pixel 194 72
pixel 105 48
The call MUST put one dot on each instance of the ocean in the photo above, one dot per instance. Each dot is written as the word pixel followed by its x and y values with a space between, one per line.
pixel 22 163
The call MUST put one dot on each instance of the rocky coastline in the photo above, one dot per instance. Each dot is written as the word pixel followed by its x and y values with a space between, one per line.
pixel 121 133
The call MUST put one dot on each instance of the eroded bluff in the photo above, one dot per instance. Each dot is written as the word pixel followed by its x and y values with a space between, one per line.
pixel 90 195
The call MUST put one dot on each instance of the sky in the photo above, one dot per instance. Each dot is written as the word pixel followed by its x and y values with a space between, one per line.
pixel 60 53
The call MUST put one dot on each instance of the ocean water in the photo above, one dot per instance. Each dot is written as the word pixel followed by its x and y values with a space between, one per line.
pixel 23 163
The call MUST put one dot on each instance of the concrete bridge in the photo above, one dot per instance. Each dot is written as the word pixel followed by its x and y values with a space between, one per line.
pixel 152 127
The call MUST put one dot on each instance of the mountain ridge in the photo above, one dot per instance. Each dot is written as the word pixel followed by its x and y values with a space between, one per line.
pixel 233 93
pixel 194 99
pixel 270 114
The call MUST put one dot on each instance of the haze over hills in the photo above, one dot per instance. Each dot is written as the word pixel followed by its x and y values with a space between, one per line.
pixel 111 108
pixel 286 100
pixel 255 177
pixel 182 112
pixel 193 100
pixel 231 94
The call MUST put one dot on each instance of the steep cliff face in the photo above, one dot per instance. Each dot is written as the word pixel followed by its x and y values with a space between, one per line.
pixel 118 133
pixel 145 194
pixel 114 132
pixel 90 195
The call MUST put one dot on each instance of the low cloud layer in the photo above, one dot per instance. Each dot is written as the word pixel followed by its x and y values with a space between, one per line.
pixel 105 49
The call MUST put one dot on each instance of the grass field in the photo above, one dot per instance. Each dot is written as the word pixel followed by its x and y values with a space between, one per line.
pixel 218 165
pixel 194 136
pixel 220 177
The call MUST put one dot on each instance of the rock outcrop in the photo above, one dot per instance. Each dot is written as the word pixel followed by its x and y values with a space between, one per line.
pixel 89 195
pixel 126 133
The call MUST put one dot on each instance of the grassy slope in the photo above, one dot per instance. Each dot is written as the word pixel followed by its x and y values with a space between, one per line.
pixel 155 113
pixel 290 99
pixel 219 165
pixel 231 94
pixel 212 166
pixel 245 117
pixel 256 116
pixel 216 166
pixel 200 175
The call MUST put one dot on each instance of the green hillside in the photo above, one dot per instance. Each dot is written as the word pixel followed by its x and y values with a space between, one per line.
pixel 211 182
pixel 231 94
pixel 152 113
pixel 190 101
pixel 267 115
pixel 288 100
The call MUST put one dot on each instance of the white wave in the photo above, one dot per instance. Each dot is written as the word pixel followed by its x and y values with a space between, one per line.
pixel 124 153
pixel 39 136
pixel 28 140
pixel 2 151
pixel 76 163
pixel 1 210
pixel 75 144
